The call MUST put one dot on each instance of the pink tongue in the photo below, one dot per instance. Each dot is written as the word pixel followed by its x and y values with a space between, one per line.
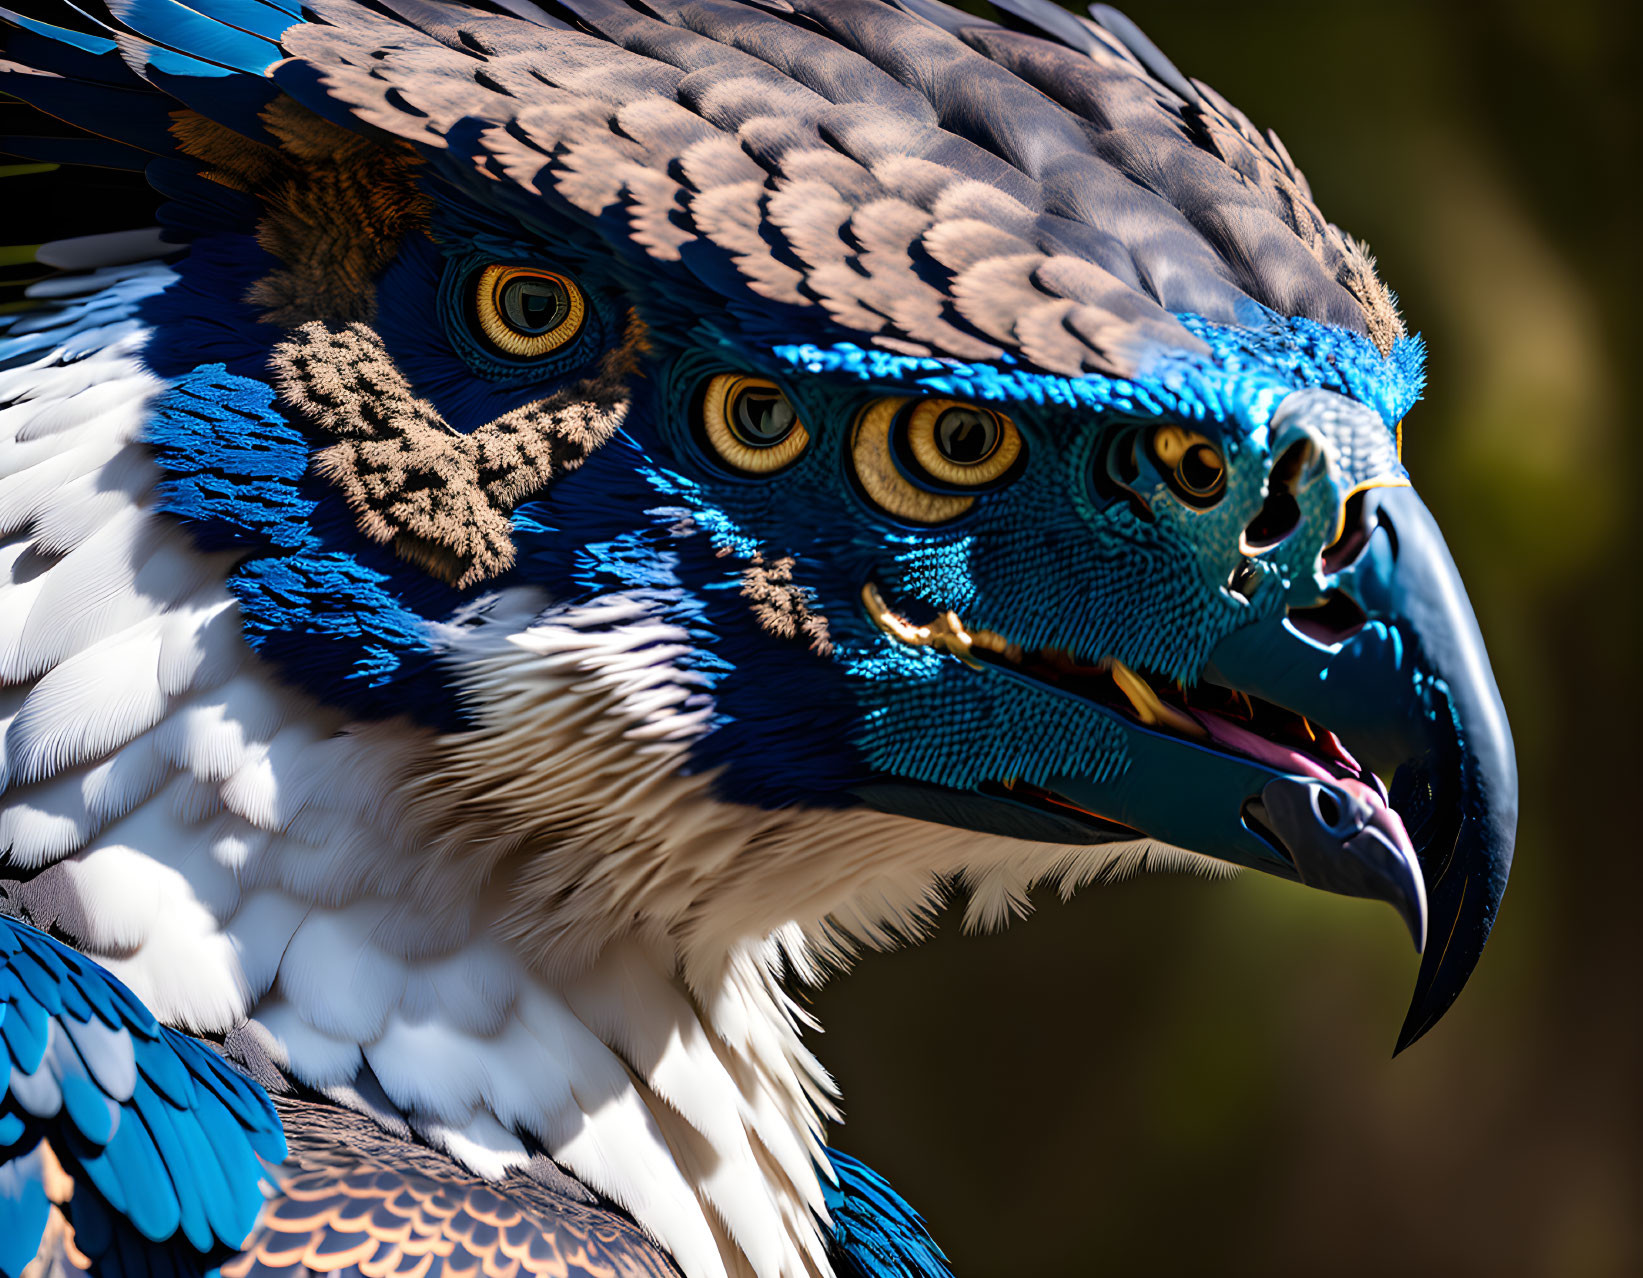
pixel 1286 759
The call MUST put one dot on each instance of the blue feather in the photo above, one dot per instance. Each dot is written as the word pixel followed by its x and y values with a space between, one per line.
pixel 76 1007
pixel 138 119
pixel 132 1160
pixel 875 1233
pixel 24 1210
pixel 93 1218
pixel 161 1137
pixel 214 205
pixel 232 100
pixel 345 619
pixel 267 20
pixel 107 1053
pixel 76 39
pixel 165 1073
pixel 188 31
pixel 241 1199
pixel 154 58
pixel 24 1031
pixel 183 1144
pixel 89 1109
pixel 60 51
pixel 42 976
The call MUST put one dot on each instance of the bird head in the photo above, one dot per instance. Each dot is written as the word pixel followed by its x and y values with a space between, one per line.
pixel 867 410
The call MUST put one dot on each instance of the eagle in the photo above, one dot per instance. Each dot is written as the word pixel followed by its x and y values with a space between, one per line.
pixel 580 516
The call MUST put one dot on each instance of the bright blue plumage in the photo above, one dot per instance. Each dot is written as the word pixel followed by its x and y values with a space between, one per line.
pixel 156 1129
pixel 875 1233
pixel 211 38
pixel 237 479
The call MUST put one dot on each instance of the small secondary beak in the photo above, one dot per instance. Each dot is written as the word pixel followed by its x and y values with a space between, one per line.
pixel 1409 689
pixel 1342 840
pixel 1374 668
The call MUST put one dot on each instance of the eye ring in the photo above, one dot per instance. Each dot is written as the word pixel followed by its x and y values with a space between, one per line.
pixel 1191 464
pixel 881 478
pixel 751 423
pixel 962 444
pixel 526 312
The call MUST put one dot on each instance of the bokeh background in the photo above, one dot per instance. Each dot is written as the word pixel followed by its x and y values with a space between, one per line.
pixel 1172 1076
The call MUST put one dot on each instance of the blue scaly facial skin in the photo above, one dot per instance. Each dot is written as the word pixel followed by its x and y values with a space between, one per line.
pixel 1049 560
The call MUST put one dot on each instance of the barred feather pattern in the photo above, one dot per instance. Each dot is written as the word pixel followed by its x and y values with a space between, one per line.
pixel 965 192
pixel 357 1198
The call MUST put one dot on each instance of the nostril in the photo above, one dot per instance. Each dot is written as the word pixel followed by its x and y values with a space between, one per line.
pixel 1356 525
pixel 1280 513
pixel 1328 806
pixel 1331 622
pixel 1275 520
pixel 1294 467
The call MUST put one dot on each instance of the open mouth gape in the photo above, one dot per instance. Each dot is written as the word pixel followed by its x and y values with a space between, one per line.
pixel 1214 717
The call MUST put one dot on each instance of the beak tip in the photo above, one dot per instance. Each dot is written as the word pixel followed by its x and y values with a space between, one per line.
pixel 1417 930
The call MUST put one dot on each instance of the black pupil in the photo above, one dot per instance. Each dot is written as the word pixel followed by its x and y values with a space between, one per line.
pixel 534 305
pixel 1200 469
pixel 763 417
pixel 965 436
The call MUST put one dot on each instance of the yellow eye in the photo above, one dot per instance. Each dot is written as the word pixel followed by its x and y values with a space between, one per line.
pixel 948 452
pixel 954 444
pixel 961 444
pixel 1191 464
pixel 525 312
pixel 751 423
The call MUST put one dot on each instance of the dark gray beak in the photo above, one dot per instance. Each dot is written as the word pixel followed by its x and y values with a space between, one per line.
pixel 1341 843
pixel 1393 662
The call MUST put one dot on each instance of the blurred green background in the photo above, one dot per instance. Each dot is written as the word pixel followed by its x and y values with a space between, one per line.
pixel 1172 1076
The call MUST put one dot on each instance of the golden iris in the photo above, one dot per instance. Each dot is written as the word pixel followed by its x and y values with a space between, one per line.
pixel 962 444
pixel 526 312
pixel 955 445
pixel 1191 463
pixel 751 423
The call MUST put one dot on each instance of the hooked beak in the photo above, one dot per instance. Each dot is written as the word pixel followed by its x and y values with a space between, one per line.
pixel 1393 662
pixel 1341 840
pixel 1392 666
pixel 1275 758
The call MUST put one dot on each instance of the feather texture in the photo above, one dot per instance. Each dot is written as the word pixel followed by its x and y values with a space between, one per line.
pixel 125 1105
pixel 436 731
